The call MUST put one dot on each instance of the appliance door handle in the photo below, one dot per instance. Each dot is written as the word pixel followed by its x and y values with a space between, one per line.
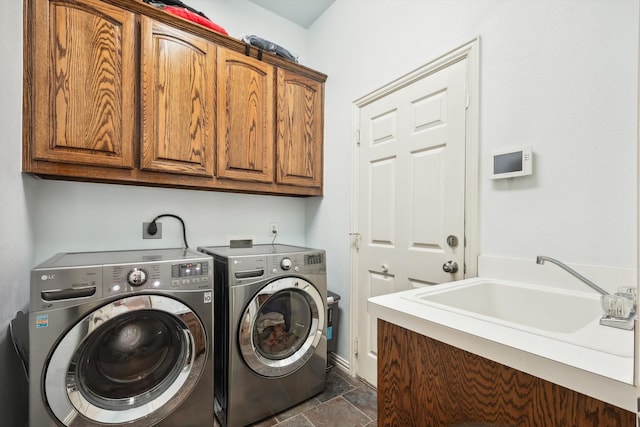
pixel 249 274
pixel 60 294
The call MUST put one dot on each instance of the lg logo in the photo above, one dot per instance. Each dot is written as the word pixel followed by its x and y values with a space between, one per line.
pixel 48 277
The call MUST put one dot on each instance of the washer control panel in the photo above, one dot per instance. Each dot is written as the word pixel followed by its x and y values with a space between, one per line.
pixel 189 269
pixel 189 274
pixel 73 278
pixel 156 276
pixel 137 277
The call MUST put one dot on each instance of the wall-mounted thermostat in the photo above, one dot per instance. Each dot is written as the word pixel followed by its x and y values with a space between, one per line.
pixel 512 163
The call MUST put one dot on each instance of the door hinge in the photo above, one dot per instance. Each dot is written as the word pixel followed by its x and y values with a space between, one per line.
pixel 467 101
pixel 355 346
pixel 358 137
pixel 356 240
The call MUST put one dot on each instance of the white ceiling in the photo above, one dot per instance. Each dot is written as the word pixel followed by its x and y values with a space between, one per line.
pixel 302 12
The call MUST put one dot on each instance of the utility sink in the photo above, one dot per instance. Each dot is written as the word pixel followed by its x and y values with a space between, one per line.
pixel 537 307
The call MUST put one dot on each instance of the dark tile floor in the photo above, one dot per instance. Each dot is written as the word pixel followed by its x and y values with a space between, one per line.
pixel 345 402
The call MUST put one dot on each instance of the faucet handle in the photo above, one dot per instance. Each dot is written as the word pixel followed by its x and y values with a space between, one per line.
pixel 629 291
pixel 617 306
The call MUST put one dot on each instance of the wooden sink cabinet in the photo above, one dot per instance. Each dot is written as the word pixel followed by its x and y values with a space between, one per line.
pixel 425 382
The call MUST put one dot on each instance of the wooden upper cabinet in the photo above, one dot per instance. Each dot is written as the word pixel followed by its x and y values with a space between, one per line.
pixel 118 91
pixel 178 101
pixel 299 130
pixel 245 143
pixel 84 84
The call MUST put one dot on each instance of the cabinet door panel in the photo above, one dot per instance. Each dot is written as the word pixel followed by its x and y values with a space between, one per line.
pixel 300 126
pixel 245 118
pixel 85 111
pixel 178 115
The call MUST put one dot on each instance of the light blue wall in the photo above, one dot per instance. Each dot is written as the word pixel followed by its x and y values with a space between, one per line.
pixel 559 75
pixel 39 218
pixel 16 236
pixel 72 216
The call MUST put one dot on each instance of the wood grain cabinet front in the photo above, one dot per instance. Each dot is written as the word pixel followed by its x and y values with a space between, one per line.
pixel 245 118
pixel 84 84
pixel 423 382
pixel 118 91
pixel 299 130
pixel 178 101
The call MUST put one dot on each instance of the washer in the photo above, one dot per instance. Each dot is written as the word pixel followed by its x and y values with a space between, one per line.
pixel 270 331
pixel 122 338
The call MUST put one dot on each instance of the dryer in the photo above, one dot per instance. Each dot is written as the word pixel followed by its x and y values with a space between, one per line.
pixel 270 330
pixel 122 338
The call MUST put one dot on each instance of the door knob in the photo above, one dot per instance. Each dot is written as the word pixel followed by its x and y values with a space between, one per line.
pixel 385 268
pixel 450 267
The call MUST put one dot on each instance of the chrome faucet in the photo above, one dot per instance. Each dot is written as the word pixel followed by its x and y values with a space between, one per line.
pixel 541 259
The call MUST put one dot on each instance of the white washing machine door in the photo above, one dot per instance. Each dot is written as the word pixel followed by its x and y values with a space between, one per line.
pixel 281 327
pixel 131 361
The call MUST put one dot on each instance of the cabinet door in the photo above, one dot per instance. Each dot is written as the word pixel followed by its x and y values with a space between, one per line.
pixel 178 96
pixel 245 118
pixel 300 127
pixel 84 75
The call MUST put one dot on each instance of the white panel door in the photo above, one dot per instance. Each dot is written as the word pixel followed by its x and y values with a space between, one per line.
pixel 410 194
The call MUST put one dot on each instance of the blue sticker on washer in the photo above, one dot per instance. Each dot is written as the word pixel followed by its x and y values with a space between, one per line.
pixel 329 332
pixel 42 321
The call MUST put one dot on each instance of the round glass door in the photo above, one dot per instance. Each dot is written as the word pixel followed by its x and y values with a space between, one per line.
pixel 132 361
pixel 281 327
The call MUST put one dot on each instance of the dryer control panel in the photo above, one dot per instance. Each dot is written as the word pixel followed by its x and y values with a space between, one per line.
pixel 263 262
pixel 298 263
pixel 247 269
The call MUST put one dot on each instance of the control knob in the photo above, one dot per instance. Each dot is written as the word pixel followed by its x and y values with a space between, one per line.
pixel 137 277
pixel 285 263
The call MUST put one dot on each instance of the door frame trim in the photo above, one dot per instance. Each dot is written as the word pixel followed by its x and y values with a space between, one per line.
pixel 471 52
